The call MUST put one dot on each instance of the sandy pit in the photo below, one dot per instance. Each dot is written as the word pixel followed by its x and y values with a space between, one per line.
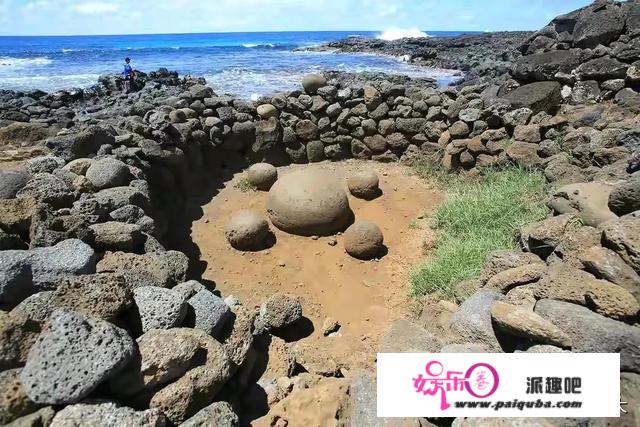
pixel 363 296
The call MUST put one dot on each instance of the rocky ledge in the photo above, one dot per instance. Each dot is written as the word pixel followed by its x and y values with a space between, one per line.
pixel 477 55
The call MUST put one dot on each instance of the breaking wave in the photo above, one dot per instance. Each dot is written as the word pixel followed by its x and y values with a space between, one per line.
pixel 401 33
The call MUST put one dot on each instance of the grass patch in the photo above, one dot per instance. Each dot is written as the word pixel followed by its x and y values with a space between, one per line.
pixel 478 217
pixel 243 185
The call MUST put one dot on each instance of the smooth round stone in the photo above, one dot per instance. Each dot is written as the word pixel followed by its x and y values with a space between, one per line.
pixel 363 240
pixel 247 230
pixel 364 185
pixel 309 202
pixel 262 176
pixel 266 111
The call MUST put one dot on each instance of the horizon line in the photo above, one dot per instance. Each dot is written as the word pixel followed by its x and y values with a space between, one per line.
pixel 248 32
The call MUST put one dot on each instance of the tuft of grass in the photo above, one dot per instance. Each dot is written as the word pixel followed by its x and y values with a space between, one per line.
pixel 243 185
pixel 478 217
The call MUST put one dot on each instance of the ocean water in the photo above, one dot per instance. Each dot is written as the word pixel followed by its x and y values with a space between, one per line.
pixel 242 64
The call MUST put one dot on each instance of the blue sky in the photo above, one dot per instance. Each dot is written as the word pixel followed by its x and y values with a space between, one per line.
pixel 54 17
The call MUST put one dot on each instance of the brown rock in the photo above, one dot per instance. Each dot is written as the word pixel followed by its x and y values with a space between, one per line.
pixel 363 240
pixel 198 387
pixel 606 264
pixel 623 237
pixel 518 276
pixel 17 335
pixel 502 260
pixel 103 296
pixel 587 200
pixel 570 284
pixel 526 324
pixel 14 402
pixel 364 185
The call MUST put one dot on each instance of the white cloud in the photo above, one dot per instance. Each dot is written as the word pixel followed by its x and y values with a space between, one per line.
pixel 96 8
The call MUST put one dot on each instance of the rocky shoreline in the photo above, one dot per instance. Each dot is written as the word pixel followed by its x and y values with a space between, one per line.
pixel 476 55
pixel 103 309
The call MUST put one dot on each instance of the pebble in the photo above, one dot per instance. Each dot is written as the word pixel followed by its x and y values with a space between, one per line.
pixel 281 263
pixel 332 242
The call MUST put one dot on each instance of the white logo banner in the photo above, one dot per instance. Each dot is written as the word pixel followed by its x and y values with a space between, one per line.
pixel 498 385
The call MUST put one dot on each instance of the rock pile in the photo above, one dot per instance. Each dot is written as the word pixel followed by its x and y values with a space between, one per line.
pixel 593 51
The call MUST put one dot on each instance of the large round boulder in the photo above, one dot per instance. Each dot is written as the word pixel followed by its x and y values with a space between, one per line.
pixel 364 185
pixel 309 202
pixel 262 175
pixel 312 82
pixel 108 173
pixel 363 240
pixel 247 230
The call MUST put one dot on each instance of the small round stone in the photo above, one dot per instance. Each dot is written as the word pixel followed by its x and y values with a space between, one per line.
pixel 363 240
pixel 247 230
pixel 262 176
pixel 266 111
pixel 364 185
pixel 312 82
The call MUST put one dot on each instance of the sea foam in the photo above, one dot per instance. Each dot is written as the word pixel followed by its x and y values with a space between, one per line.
pixel 401 33
pixel 9 61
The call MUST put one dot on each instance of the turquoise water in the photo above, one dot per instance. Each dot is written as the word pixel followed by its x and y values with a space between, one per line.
pixel 243 64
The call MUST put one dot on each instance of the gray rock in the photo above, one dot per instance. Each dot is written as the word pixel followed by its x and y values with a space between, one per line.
pixel 593 333
pixel 625 197
pixel 47 188
pixel 278 311
pixel 44 164
pixel 36 307
pixel 108 173
pixel 164 356
pixel 72 356
pixel 539 96
pixel 604 68
pixel 11 182
pixel 219 414
pixel 315 151
pixel 208 313
pixel 159 308
pixel 188 289
pixel 363 406
pixel 107 414
pixel 82 144
pixel 25 271
pixel 111 199
pixel 130 214
pixel 411 126
pixel 407 337
pixel 116 236
pixel 598 24
pixel 545 66
pixel 465 348
pixel 473 319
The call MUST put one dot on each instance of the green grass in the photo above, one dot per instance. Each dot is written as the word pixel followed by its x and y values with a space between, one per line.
pixel 243 185
pixel 478 217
